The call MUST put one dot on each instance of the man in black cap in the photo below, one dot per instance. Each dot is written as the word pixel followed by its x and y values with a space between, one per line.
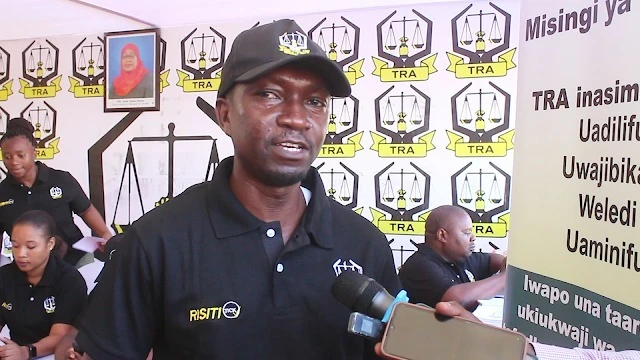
pixel 241 267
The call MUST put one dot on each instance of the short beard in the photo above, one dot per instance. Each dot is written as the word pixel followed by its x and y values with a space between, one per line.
pixel 282 179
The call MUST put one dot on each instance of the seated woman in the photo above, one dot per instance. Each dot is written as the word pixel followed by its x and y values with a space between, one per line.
pixel 40 294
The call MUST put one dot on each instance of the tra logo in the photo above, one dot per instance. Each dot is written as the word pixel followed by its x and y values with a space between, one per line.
pixel 402 124
pixel 402 193
pixel 484 194
pixel 481 49
pixel 346 265
pixel 342 139
pixel 5 81
pixel 44 119
pixel 45 124
pixel 342 184
pixel 404 48
pixel 402 250
pixel 55 192
pixel 40 70
pixel 6 202
pixel 340 40
pixel 50 304
pixel 470 275
pixel 88 68
pixel 481 115
pixel 293 43
pixel 202 57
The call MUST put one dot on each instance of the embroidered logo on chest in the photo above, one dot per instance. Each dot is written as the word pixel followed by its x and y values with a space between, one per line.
pixel 230 310
pixel 7 202
pixel 7 306
pixel 346 265
pixel 55 192
pixel 50 304
pixel 470 275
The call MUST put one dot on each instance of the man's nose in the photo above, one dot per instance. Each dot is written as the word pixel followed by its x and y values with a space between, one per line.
pixel 294 115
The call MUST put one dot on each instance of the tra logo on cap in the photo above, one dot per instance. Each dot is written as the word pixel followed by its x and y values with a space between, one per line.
pixel 293 43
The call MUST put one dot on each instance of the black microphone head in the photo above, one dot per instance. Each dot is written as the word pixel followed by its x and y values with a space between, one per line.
pixel 357 291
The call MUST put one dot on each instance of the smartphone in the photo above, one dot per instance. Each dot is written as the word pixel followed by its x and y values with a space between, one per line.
pixel 415 332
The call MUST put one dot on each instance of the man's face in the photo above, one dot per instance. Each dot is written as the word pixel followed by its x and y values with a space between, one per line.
pixel 277 124
pixel 459 237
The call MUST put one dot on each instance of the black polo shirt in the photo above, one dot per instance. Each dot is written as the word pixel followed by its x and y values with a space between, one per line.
pixel 193 279
pixel 55 191
pixel 31 310
pixel 426 276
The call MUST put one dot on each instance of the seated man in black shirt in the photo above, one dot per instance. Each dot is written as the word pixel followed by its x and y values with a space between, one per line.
pixel 445 268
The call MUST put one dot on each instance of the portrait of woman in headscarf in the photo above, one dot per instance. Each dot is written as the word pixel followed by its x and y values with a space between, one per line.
pixel 134 80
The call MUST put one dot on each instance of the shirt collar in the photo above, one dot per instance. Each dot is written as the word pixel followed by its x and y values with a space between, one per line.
pixel 41 177
pixel 428 251
pixel 230 218
pixel 49 276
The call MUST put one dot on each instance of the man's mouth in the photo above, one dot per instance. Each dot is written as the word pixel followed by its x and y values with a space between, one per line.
pixel 292 146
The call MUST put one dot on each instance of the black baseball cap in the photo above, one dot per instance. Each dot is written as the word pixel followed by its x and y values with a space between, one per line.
pixel 261 49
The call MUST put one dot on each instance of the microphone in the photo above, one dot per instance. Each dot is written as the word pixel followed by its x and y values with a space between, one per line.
pixel 364 295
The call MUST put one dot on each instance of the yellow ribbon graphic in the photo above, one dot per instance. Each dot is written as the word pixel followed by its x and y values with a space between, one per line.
pixel 355 71
pixel 358 211
pixel 391 150
pixel 347 150
pixel 37 92
pixel 164 79
pixel 397 227
pixel 481 70
pixel 493 230
pixel 189 85
pixel 490 149
pixel 391 74
pixel 5 91
pixel 46 153
pixel 80 91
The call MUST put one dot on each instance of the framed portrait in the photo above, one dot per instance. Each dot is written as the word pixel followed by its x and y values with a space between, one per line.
pixel 132 70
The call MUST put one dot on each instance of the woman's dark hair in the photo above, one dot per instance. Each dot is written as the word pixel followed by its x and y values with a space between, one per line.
pixel 44 222
pixel 19 127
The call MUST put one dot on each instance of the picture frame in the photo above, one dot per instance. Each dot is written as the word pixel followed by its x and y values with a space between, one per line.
pixel 132 70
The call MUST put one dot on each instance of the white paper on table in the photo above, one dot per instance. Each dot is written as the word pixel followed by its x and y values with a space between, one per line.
pixel 88 244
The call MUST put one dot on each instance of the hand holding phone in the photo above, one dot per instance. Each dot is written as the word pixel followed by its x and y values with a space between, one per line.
pixel 416 333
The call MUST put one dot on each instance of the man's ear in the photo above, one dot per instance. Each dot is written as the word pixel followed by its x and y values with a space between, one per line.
pixel 441 235
pixel 222 114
